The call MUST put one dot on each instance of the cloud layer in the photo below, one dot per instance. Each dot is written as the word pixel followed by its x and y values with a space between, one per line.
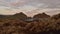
pixel 36 3
pixel 27 6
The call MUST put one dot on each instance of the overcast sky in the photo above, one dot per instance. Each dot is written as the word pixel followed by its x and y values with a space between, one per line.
pixel 35 3
pixel 7 6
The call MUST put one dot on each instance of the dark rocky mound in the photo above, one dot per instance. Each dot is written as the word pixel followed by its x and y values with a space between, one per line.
pixel 20 16
pixel 56 16
pixel 43 15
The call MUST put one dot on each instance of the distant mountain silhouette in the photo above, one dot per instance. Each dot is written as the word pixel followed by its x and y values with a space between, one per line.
pixel 20 15
pixel 3 16
pixel 43 15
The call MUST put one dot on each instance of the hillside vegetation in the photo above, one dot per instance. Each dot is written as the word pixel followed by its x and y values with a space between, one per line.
pixel 22 24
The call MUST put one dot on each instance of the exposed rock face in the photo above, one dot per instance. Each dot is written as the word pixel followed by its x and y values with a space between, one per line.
pixel 43 15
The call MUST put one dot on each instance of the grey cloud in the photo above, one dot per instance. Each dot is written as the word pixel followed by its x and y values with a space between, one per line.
pixel 47 3
pixel 44 3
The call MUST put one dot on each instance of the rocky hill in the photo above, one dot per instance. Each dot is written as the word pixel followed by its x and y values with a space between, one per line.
pixel 43 15
pixel 22 24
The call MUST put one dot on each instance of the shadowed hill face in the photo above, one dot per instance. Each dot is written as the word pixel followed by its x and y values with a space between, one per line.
pixel 1 16
pixel 56 16
pixel 20 16
pixel 24 17
pixel 21 13
pixel 43 15
pixel 4 16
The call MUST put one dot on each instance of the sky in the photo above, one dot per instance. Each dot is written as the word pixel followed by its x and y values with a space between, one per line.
pixel 35 3
pixel 27 6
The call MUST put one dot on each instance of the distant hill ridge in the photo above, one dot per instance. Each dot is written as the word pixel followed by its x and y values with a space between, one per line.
pixel 23 16
pixel 21 23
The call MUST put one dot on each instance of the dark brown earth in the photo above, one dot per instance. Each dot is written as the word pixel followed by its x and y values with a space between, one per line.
pixel 21 24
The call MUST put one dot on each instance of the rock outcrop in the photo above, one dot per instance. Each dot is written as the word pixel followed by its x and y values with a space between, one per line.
pixel 17 24
pixel 43 15
pixel 56 16
pixel 20 16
